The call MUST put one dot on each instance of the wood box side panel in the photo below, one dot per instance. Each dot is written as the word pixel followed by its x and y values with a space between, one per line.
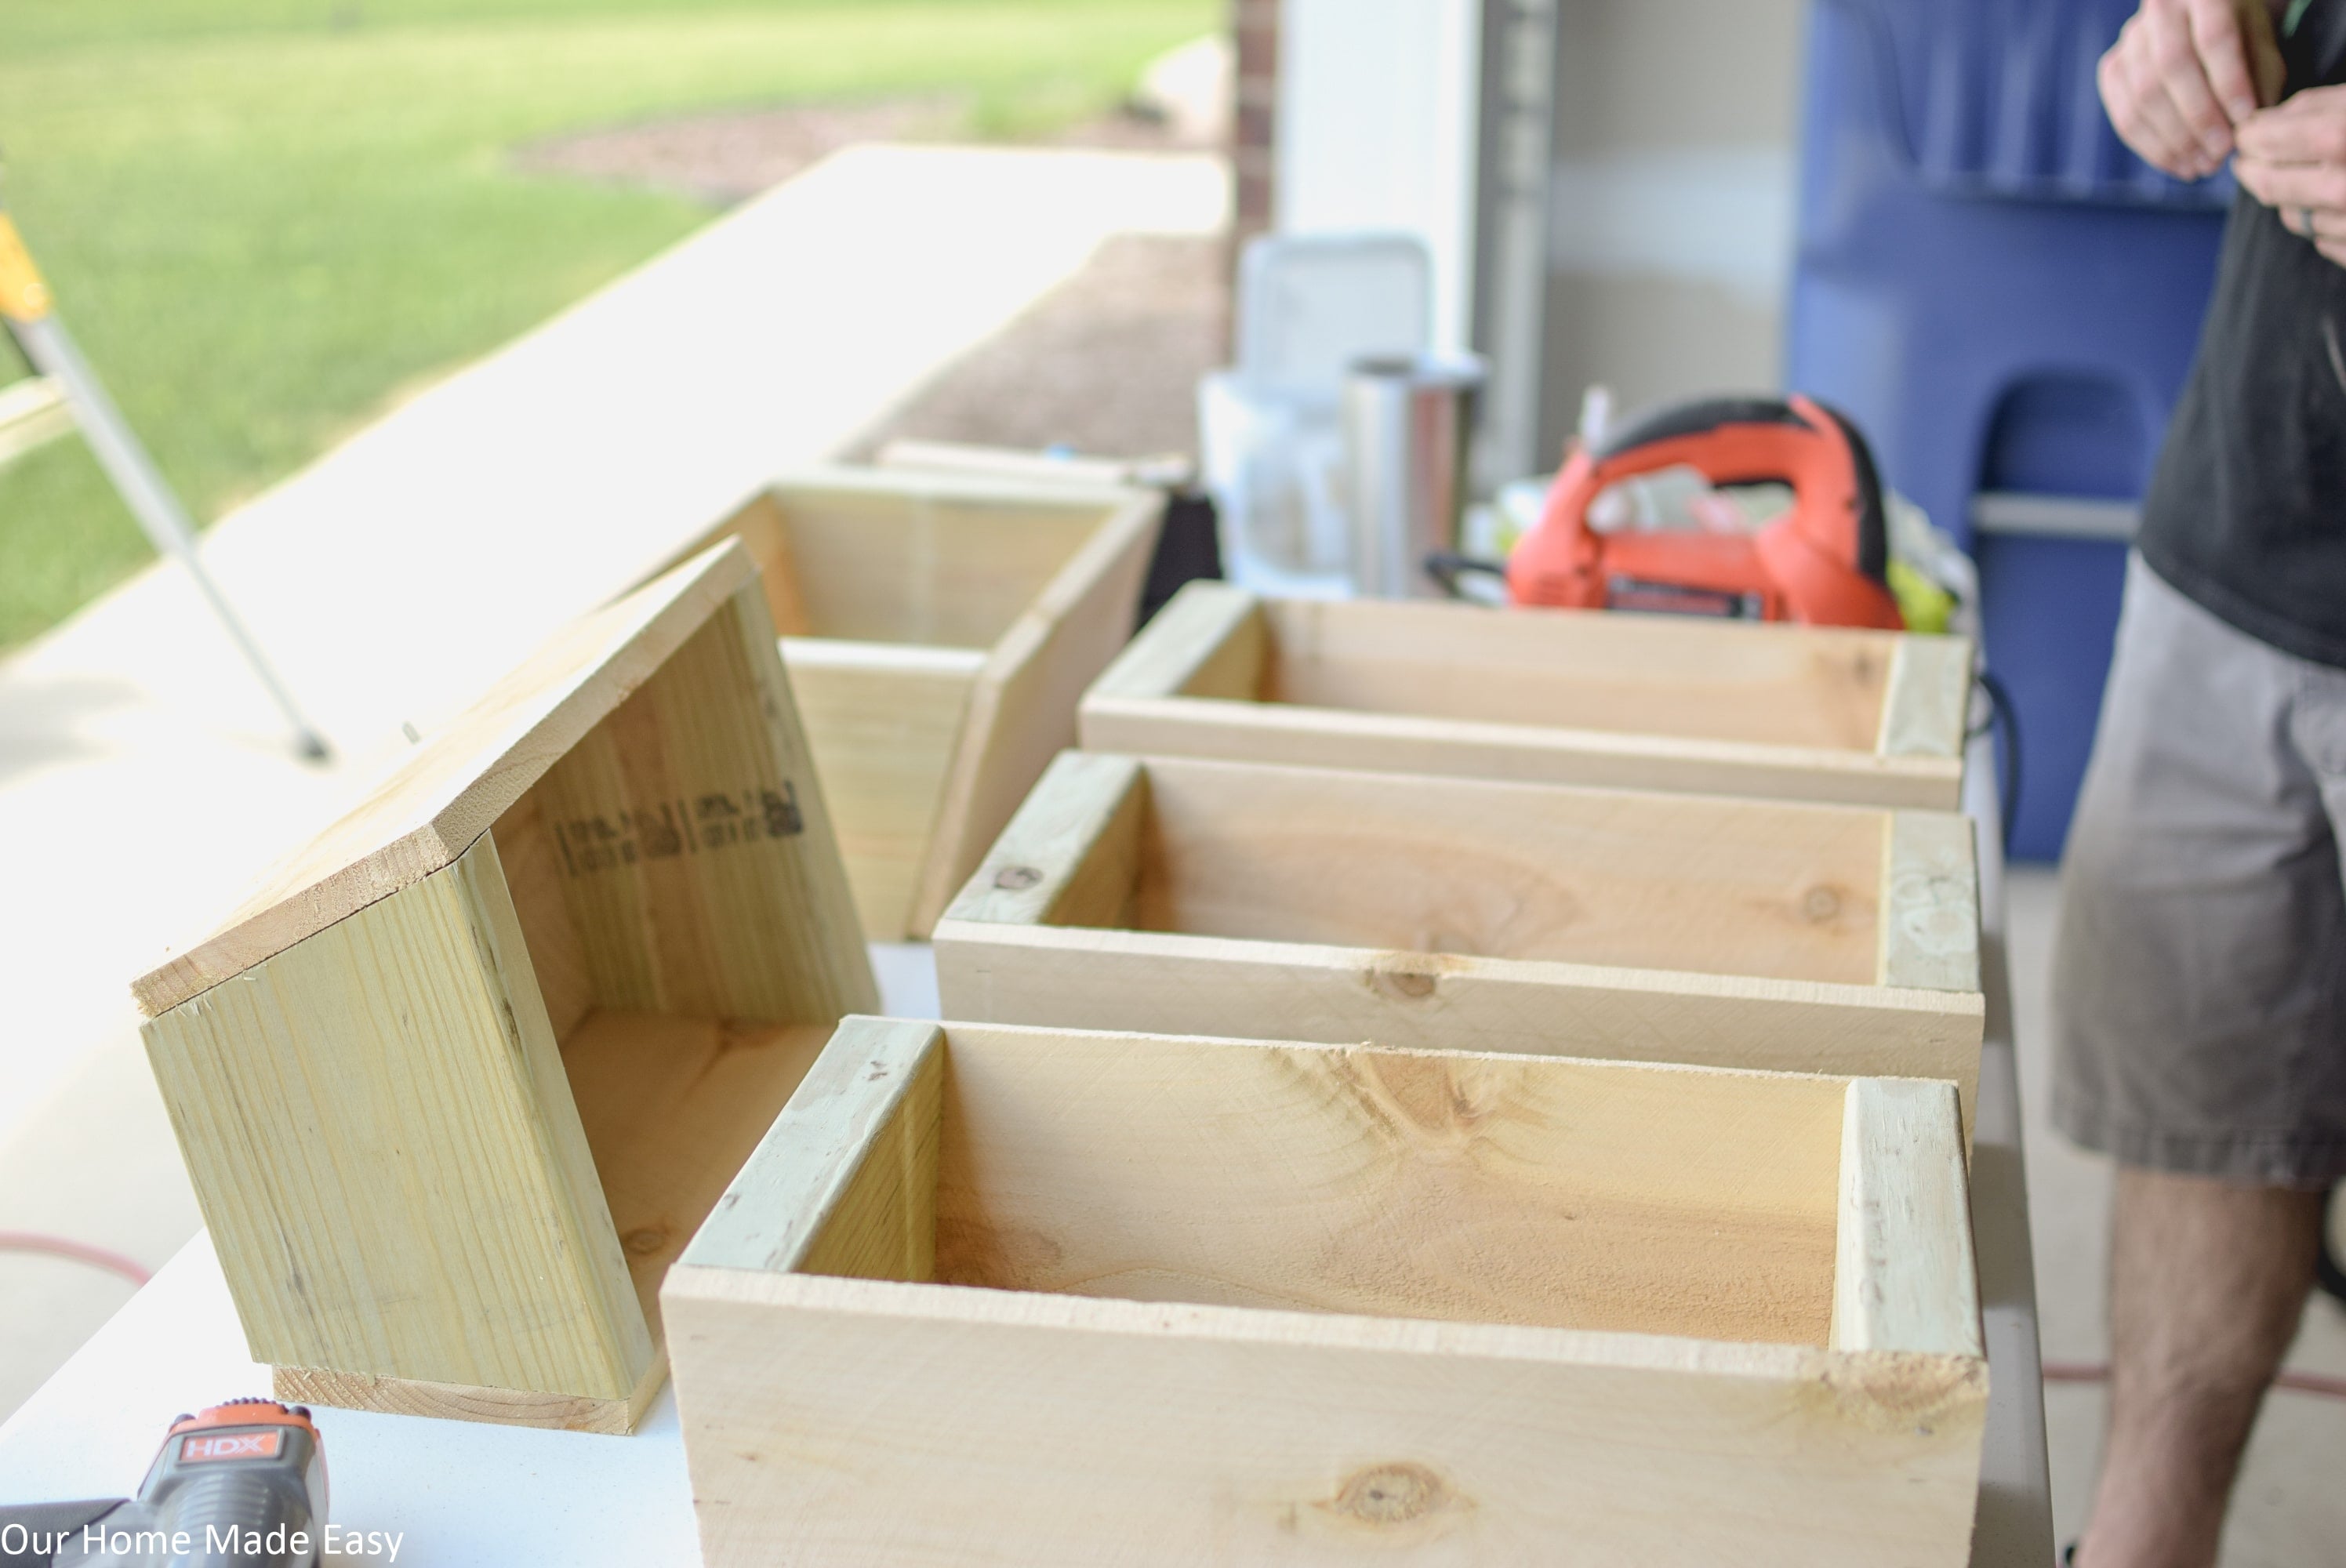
pixel 448 794
pixel 1248 731
pixel 1764 888
pixel 383 1140
pixel 700 873
pixel 1023 711
pixel 936 565
pixel 758 524
pixel 883 731
pixel 1799 687
pixel 1299 1445
pixel 1457 1186
pixel 1087 979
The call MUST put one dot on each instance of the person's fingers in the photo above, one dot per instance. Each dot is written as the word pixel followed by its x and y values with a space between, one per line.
pixel 2157 105
pixel 2223 57
pixel 2140 110
pixel 2309 129
pixel 2174 50
pixel 2286 186
pixel 2122 96
pixel 2312 222
pixel 2335 249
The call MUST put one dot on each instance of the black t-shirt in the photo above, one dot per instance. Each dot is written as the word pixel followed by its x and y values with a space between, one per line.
pixel 2246 513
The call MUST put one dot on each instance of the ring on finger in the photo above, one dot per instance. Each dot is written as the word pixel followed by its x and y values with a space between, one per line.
pixel 2305 221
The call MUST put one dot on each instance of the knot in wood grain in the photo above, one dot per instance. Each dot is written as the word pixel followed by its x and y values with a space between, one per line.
pixel 1820 905
pixel 1408 976
pixel 1013 878
pixel 1391 1494
pixel 645 1241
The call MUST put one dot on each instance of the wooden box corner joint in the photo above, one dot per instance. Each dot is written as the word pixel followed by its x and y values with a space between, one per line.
pixel 456 1083
pixel 939 632
pixel 1028 1292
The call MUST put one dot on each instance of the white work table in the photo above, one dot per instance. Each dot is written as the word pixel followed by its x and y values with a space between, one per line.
pixel 465 1493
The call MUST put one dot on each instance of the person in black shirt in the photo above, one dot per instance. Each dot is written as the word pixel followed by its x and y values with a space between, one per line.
pixel 2200 977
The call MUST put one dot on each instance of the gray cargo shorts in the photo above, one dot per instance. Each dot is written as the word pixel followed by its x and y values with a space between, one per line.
pixel 2200 981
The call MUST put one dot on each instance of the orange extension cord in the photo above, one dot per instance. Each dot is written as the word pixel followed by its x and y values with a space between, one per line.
pixel 2295 1382
pixel 130 1269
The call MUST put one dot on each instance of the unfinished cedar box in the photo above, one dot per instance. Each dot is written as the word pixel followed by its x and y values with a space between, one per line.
pixel 939 631
pixel 995 1298
pixel 459 1081
pixel 1560 697
pixel 1244 900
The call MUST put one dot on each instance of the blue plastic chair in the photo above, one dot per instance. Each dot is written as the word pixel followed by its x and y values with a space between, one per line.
pixel 2004 298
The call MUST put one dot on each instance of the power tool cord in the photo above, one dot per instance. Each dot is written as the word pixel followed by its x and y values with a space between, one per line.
pixel 1445 567
pixel 2292 1382
pixel 2001 708
pixel 130 1269
pixel 2328 1268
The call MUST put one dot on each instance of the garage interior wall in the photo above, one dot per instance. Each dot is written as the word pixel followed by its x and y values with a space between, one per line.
pixel 1671 199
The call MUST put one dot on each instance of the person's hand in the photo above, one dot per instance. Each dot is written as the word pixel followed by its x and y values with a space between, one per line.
pixel 2183 74
pixel 2293 159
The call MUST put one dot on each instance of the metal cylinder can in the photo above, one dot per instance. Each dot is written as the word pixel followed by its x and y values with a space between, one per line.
pixel 1408 424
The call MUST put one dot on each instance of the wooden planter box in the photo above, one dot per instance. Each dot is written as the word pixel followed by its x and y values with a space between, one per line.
pixel 1550 696
pixel 460 1080
pixel 1241 899
pixel 1016 1298
pixel 939 632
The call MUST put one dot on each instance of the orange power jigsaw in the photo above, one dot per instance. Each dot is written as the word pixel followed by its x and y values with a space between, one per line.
pixel 1825 562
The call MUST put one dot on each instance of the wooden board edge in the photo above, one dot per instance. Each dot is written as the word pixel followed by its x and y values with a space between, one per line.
pixel 463 1403
pixel 830 896
pixel 627 641
pixel 1927 701
pixel 1194 1322
pixel 1227 729
pixel 1193 626
pixel 880 658
pixel 1014 974
pixel 1021 879
pixel 948 485
pixel 1439 969
pixel 1905 1277
pixel 1012 712
pixel 1928 911
pixel 776 1206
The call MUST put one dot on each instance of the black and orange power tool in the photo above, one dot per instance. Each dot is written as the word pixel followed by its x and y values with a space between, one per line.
pixel 1826 562
pixel 242 1484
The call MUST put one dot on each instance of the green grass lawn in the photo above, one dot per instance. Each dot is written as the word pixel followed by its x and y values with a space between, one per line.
pixel 265 218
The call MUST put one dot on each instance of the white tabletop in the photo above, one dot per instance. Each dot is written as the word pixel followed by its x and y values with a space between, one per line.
pixel 460 1492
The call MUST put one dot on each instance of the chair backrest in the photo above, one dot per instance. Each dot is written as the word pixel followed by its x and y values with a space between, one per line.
pixel 1998 98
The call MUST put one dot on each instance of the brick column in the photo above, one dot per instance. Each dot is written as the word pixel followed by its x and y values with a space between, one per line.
pixel 1254 133
pixel 1254 139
